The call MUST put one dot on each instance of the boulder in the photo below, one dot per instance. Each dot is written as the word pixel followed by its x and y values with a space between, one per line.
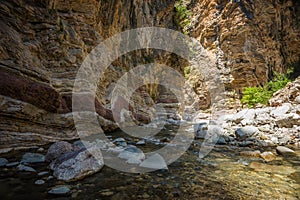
pixel 57 149
pixel 76 165
pixel 245 132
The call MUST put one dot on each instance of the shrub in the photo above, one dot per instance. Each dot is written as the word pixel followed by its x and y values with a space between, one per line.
pixel 182 16
pixel 255 95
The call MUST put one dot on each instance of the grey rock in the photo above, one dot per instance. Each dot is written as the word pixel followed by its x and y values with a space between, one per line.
pixel 42 173
pixel 284 151
pixel 25 168
pixel 246 143
pixel 284 140
pixel 12 164
pixel 3 162
pixel 39 182
pixel 60 190
pixel 33 158
pixel 245 132
pixel 221 140
pixel 141 142
pixel 281 110
pixel 155 161
pixel 76 165
pixel 57 149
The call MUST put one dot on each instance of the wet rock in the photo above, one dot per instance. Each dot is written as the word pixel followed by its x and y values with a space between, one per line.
pixel 3 162
pixel 25 168
pixel 76 165
pixel 155 161
pixel 284 151
pixel 60 190
pixel 268 156
pixel 57 149
pixel 132 154
pixel 42 173
pixel 245 132
pixel 120 142
pixel 12 164
pixel 39 182
pixel 32 158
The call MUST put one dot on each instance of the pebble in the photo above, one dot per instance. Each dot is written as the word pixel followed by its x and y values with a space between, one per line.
pixel 12 164
pixel 42 173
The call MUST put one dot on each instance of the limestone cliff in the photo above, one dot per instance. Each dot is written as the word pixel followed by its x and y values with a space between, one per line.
pixel 43 44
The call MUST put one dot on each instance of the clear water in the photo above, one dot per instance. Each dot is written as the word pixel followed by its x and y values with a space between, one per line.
pixel 223 174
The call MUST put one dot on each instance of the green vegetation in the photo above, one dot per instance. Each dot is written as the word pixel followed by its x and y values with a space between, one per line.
pixel 182 16
pixel 187 71
pixel 255 95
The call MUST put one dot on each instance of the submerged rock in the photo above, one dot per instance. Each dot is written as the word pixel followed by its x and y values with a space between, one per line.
pixel 78 164
pixel 155 161
pixel 39 182
pixel 3 162
pixel 32 158
pixel 12 164
pixel 132 154
pixel 25 168
pixel 57 149
pixel 60 190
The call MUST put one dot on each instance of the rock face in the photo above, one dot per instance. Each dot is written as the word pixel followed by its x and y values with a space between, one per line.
pixel 43 44
pixel 250 38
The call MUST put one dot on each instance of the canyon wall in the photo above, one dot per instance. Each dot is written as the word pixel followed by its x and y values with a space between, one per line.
pixel 43 44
